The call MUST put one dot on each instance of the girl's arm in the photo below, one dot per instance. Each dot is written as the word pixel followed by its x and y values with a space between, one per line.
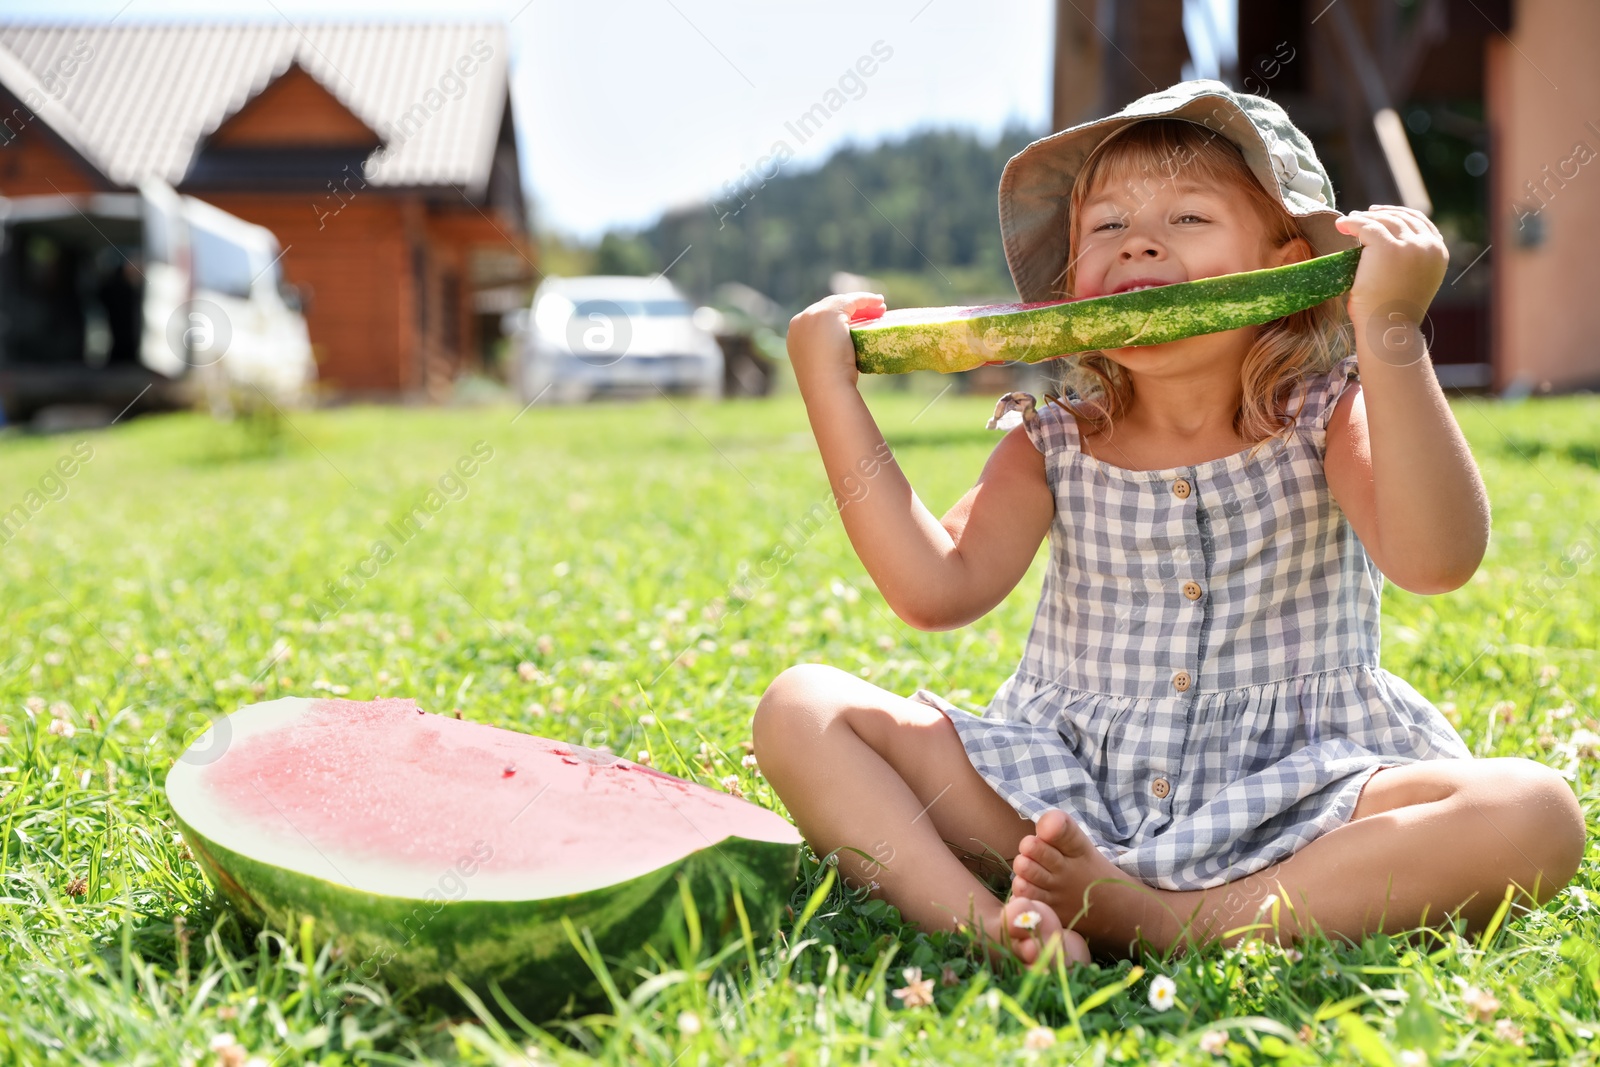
pixel 1396 461
pixel 935 575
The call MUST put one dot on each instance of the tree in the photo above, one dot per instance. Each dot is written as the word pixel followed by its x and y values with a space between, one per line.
pixel 624 254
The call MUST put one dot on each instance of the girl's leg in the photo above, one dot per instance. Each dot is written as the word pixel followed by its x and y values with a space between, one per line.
pixel 859 766
pixel 1425 839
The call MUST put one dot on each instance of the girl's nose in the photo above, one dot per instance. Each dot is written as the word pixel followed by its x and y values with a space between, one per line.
pixel 1142 248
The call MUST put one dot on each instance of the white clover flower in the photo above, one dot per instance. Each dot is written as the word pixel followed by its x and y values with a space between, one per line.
pixel 1480 1002
pixel 918 991
pixel 688 1023
pixel 1586 743
pixel 1214 1042
pixel 1040 1037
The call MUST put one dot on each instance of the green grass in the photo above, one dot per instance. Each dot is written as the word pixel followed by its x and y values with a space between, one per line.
pixel 183 573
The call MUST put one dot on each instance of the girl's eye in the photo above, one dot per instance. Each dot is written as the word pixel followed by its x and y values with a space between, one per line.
pixel 1190 215
pixel 1107 225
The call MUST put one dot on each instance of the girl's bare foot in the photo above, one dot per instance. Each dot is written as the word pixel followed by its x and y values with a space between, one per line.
pixel 1034 929
pixel 1057 863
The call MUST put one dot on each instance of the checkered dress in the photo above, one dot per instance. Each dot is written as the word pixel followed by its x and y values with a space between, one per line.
pixel 1200 688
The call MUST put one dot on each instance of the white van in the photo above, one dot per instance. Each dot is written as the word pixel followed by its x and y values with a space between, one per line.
pixel 612 333
pixel 107 299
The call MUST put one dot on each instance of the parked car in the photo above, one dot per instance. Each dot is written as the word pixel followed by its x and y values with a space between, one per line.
pixel 612 333
pixel 108 298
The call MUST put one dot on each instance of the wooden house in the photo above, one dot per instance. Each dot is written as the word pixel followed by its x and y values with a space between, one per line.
pixel 382 156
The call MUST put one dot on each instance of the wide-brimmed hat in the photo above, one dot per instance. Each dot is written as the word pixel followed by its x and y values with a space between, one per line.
pixel 1036 185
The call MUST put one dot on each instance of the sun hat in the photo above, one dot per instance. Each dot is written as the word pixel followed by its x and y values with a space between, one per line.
pixel 1036 185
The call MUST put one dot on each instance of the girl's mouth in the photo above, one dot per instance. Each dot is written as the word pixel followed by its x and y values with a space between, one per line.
pixel 1135 287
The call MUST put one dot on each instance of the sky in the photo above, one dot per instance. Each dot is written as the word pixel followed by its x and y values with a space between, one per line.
pixel 627 108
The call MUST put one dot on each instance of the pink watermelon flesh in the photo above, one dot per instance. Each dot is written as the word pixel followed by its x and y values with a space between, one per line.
pixel 954 313
pixel 429 845
pixel 359 792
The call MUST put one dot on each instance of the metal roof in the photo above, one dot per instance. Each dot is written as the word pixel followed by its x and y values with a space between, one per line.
pixel 140 101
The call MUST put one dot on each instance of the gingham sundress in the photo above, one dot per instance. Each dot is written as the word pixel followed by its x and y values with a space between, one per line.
pixel 1200 688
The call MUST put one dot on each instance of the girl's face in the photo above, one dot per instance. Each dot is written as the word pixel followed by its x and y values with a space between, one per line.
pixel 1157 231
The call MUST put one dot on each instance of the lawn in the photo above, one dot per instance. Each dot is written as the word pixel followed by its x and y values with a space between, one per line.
pixel 651 566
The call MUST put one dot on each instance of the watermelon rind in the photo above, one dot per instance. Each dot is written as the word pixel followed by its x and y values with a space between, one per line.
pixel 521 945
pixel 407 931
pixel 962 340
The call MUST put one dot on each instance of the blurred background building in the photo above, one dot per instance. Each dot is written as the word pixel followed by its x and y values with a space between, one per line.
pixel 1483 113
pixel 382 156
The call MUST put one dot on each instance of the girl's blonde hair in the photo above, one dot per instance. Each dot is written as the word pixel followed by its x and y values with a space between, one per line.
pixel 1151 152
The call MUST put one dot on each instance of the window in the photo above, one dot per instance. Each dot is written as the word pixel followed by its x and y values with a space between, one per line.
pixel 649 308
pixel 220 264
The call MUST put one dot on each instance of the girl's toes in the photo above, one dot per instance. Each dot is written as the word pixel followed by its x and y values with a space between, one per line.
pixel 1035 873
pixel 1035 930
pixel 1043 855
pixel 1060 833
pixel 1030 925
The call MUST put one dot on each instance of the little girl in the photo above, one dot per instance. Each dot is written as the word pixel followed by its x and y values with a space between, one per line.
pixel 1191 743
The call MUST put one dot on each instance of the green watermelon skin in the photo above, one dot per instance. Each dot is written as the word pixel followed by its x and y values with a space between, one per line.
pixel 520 945
pixel 963 338
pixel 401 835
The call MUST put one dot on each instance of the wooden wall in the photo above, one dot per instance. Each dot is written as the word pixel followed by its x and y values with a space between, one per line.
pixel 32 160
pixel 1541 92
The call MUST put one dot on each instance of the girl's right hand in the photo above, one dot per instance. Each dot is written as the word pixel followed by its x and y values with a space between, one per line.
pixel 820 349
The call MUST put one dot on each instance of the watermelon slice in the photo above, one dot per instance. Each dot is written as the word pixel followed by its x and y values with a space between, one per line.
pixel 426 845
pixel 959 338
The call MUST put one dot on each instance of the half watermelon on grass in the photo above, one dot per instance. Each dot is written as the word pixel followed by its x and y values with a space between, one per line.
pixel 960 338
pixel 426 845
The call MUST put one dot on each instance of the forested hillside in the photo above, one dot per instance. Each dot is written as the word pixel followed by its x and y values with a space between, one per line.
pixel 917 215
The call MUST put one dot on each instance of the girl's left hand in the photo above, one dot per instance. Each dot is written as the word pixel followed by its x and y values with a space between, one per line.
pixel 1403 261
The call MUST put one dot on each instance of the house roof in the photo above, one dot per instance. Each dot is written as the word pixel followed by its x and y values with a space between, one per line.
pixel 142 99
